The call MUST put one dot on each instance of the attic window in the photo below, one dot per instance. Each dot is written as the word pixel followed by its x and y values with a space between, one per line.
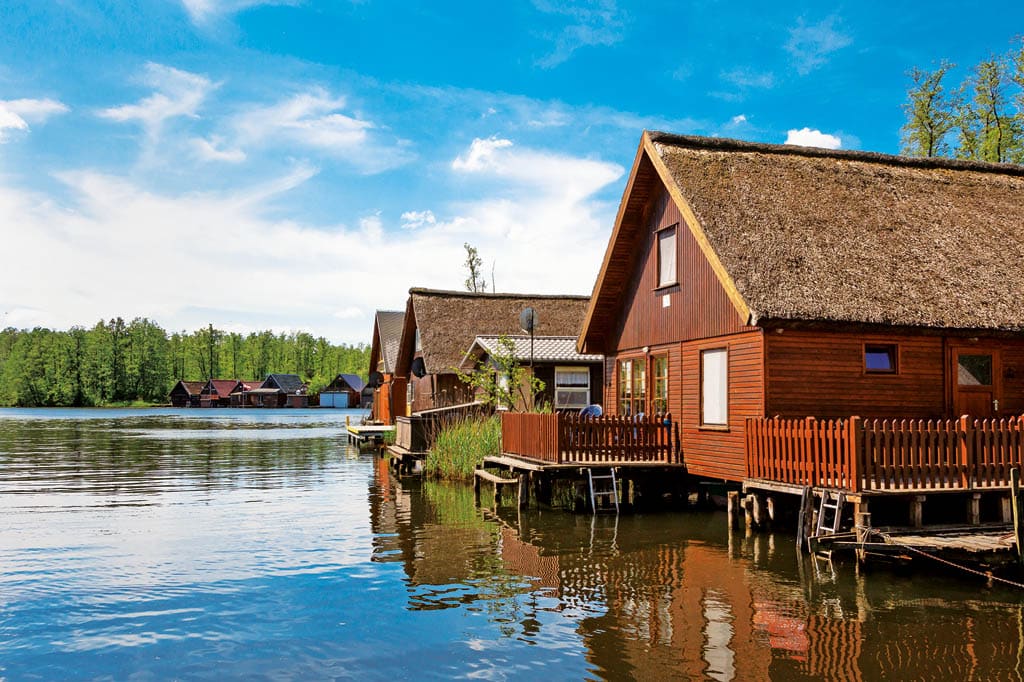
pixel 880 358
pixel 667 275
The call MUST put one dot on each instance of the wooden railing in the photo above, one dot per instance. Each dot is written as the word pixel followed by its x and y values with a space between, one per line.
pixel 416 433
pixel 885 454
pixel 571 439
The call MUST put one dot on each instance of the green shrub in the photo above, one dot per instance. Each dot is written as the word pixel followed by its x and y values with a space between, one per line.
pixel 462 445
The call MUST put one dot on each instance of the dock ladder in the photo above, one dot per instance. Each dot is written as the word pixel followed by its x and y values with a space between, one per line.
pixel 602 489
pixel 830 512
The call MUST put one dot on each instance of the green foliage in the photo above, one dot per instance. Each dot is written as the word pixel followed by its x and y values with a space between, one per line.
pixel 982 120
pixel 929 114
pixel 475 281
pixel 118 362
pixel 462 445
pixel 502 381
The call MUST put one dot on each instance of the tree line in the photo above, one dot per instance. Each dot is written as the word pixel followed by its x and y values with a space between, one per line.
pixel 118 362
pixel 981 119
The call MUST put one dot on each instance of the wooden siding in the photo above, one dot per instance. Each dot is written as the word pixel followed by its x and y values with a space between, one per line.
pixel 821 374
pixel 715 452
pixel 698 305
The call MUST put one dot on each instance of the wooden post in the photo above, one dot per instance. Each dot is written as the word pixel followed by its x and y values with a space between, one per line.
pixel 804 519
pixel 733 506
pixel 1018 526
pixel 966 446
pixel 770 505
pixel 759 510
pixel 974 509
pixel 523 492
pixel 855 443
pixel 917 511
pixel 748 510
pixel 862 522
pixel 476 489
pixel 1005 504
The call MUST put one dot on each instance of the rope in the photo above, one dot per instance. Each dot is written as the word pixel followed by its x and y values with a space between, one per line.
pixel 983 574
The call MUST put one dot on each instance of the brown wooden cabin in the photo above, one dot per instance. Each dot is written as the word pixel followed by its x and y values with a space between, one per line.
pixel 278 390
pixel 345 391
pixel 748 280
pixel 217 392
pixel 388 389
pixel 441 325
pixel 186 393
pixel 572 380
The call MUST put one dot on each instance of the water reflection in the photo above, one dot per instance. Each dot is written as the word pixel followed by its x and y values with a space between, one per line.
pixel 677 596
pixel 170 546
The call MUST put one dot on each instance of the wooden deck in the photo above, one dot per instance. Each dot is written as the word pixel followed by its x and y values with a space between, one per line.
pixel 367 433
pixel 879 456
pixel 568 440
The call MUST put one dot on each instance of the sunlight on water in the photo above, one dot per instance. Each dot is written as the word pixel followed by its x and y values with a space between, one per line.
pixel 216 544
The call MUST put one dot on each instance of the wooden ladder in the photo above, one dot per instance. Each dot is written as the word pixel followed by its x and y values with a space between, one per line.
pixel 596 492
pixel 831 506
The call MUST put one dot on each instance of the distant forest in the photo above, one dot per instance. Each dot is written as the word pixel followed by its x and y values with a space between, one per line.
pixel 117 362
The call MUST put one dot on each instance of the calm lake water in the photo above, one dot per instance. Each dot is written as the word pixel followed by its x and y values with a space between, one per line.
pixel 217 544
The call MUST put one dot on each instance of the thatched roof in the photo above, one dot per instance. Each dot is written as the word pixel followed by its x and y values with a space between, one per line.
pixel 449 321
pixel 804 234
pixel 387 334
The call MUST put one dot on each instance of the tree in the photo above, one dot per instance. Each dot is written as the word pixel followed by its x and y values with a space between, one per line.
pixel 930 114
pixel 502 381
pixel 998 134
pixel 476 281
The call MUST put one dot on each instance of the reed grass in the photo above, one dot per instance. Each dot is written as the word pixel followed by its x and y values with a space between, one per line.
pixel 461 445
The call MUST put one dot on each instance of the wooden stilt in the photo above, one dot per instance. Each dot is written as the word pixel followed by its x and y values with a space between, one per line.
pixel 1006 511
pixel 733 505
pixel 1018 522
pixel 748 510
pixel 974 509
pixel 760 512
pixel 917 511
pixel 805 519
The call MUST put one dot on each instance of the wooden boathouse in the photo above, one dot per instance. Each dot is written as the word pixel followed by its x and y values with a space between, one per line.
pixel 834 320
pixel 389 394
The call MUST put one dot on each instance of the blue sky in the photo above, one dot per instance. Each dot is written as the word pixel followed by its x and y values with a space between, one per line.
pixel 297 165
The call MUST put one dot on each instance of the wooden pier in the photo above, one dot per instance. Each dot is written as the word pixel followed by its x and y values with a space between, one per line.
pixel 368 434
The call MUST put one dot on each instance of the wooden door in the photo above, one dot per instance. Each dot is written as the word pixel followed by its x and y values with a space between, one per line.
pixel 976 375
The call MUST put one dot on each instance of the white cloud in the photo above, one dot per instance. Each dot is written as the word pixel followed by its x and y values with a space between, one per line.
pixel 749 78
pixel 811 45
pixel 736 120
pixel 314 120
pixel 177 93
pixel 204 11
pixel 539 235
pixel 212 150
pixel 597 23
pixel 414 219
pixel 16 114
pixel 542 171
pixel 480 154
pixel 806 137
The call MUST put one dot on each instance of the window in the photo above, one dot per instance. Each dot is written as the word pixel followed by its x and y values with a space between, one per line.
pixel 572 387
pixel 714 373
pixel 632 386
pixel 974 370
pixel 660 368
pixel 880 358
pixel 667 257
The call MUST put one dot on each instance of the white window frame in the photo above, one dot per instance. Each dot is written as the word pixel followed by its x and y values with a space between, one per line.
pixel 672 278
pixel 571 389
pixel 714 387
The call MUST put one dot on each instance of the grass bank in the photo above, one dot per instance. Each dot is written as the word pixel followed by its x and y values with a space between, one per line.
pixel 462 445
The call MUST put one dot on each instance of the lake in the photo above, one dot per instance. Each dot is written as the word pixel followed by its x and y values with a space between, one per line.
pixel 257 544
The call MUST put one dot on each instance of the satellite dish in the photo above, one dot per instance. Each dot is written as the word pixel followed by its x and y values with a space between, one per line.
pixel 418 368
pixel 375 380
pixel 528 320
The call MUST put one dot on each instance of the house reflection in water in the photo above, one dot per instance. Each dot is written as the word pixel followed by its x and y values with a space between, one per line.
pixel 674 596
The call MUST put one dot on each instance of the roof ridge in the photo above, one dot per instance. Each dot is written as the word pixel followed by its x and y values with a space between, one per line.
pixel 734 145
pixel 480 294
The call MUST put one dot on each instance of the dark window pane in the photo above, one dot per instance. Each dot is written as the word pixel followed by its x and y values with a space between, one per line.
pixel 880 358
pixel 974 370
